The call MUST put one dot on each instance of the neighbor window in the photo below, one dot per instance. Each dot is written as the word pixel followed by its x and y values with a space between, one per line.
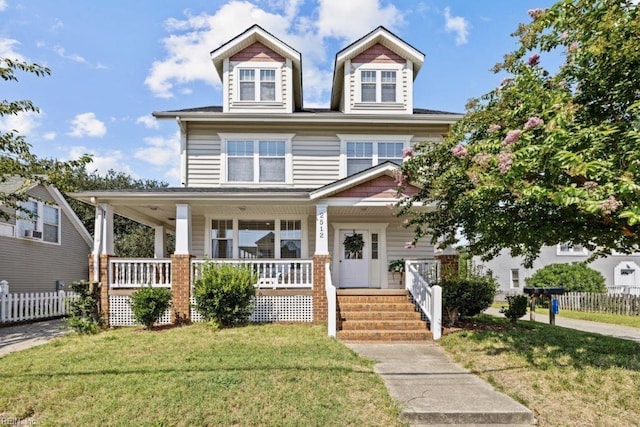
pixel 515 278
pixel 257 84
pixel 50 223
pixel 39 221
pixel 378 86
pixel 569 249
pixel 222 238
pixel 363 155
pixel 246 164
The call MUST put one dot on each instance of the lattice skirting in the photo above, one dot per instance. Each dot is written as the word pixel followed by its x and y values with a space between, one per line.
pixel 275 308
pixel 120 313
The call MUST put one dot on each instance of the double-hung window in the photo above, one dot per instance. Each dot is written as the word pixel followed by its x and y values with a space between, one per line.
pixel 378 86
pixel 515 278
pixel 361 155
pixel 257 84
pixel 257 160
pixel 39 221
pixel 221 238
pixel 569 249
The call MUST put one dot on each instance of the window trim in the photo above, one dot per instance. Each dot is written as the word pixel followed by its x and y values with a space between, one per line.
pixel 378 68
pixel 511 279
pixel 375 139
pixel 257 67
pixel 256 138
pixel 572 252
pixel 39 222
pixel 304 253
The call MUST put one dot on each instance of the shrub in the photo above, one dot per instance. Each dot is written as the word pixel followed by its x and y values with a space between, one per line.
pixel 517 307
pixel 148 304
pixel 574 277
pixel 84 315
pixel 467 296
pixel 224 294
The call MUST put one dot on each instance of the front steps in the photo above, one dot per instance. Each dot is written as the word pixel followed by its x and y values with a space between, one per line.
pixel 379 315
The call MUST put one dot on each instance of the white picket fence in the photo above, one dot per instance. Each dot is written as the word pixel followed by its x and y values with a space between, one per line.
pixel 18 307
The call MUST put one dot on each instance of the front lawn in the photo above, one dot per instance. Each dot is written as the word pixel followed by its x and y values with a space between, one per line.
pixel 566 377
pixel 256 375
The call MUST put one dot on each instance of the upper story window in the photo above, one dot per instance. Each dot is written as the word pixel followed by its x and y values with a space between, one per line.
pixel 256 160
pixel 568 249
pixel 38 221
pixel 363 155
pixel 257 84
pixel 378 86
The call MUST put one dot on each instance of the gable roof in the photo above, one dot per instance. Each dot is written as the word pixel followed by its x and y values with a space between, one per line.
pixel 257 34
pixel 382 36
pixel 17 184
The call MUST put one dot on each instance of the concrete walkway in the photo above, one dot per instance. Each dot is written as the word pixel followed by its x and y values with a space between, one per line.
pixel 20 337
pixel 617 331
pixel 434 390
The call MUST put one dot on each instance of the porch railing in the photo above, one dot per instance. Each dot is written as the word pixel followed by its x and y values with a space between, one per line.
pixel 272 274
pixel 420 280
pixel 139 272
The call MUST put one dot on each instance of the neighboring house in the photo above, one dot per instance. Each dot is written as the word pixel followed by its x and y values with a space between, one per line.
pixel 264 178
pixel 621 272
pixel 50 245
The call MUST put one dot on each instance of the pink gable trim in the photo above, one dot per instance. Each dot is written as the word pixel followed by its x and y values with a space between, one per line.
pixel 378 54
pixel 383 187
pixel 257 52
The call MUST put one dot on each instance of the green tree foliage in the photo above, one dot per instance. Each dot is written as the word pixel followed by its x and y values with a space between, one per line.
pixel 574 277
pixel 224 293
pixel 149 304
pixel 16 158
pixel 551 155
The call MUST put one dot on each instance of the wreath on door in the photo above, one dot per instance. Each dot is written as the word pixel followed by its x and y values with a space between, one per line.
pixel 354 243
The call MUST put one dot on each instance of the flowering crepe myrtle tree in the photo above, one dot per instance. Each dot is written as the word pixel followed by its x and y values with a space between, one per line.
pixel 548 156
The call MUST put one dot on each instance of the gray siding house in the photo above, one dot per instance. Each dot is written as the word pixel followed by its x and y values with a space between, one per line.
pixel 621 272
pixel 36 251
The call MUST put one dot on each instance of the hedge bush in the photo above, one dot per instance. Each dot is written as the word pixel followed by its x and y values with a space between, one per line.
pixel 467 296
pixel 517 307
pixel 573 277
pixel 224 294
pixel 149 304
pixel 84 314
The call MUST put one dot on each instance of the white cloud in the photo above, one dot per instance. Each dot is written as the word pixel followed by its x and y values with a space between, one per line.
pixel 353 19
pixel 57 25
pixel 103 161
pixel 8 49
pixel 148 121
pixel 87 124
pixel 458 25
pixel 3 5
pixel 24 123
pixel 160 151
pixel 73 57
pixel 49 136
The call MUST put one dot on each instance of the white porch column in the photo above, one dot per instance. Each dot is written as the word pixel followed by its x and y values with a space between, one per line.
pixel 322 230
pixel 158 242
pixel 97 231
pixel 107 229
pixel 183 229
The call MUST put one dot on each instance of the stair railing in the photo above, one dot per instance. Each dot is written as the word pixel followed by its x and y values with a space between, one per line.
pixel 420 278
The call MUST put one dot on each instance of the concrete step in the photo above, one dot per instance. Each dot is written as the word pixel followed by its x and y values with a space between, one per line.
pixel 352 299
pixel 386 306
pixel 379 315
pixel 517 417
pixel 383 325
pixel 383 335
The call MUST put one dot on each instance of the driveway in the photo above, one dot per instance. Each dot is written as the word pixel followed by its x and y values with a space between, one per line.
pixel 21 337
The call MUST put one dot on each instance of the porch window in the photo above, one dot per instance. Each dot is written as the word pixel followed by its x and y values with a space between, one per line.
pixel 290 239
pixel 256 239
pixel 222 238
pixel 246 164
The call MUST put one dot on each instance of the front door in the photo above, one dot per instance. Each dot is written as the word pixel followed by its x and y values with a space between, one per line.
pixel 354 263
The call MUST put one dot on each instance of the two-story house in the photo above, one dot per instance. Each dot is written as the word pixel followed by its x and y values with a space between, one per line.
pixel 267 182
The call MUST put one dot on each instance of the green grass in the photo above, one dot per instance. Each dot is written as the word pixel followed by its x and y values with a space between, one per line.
pixel 566 377
pixel 614 319
pixel 282 375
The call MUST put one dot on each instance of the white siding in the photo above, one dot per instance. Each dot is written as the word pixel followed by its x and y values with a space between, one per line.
pixel 197 235
pixel 316 160
pixel 203 158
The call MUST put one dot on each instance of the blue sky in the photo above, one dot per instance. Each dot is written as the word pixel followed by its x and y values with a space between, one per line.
pixel 114 62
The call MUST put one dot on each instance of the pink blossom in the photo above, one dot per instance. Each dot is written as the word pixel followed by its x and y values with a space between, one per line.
pixel 534 59
pixel 533 123
pixel 610 205
pixel 459 151
pixel 494 128
pixel 505 160
pixel 564 35
pixel 573 47
pixel 390 205
pixel 512 137
pixel 409 245
pixel 407 152
pixel 400 178
pixel 590 184
pixel 481 159
pixel 535 13
pixel 473 177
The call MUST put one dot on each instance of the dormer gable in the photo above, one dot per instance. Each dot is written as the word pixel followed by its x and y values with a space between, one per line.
pixel 375 74
pixel 260 73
